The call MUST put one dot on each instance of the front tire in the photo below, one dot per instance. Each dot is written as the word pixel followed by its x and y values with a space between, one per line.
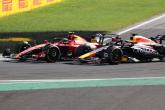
pixel 53 54
pixel 115 55
pixel 6 52
pixel 82 49
pixel 21 47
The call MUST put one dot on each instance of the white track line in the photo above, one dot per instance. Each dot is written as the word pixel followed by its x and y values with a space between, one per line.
pixel 142 24
pixel 74 80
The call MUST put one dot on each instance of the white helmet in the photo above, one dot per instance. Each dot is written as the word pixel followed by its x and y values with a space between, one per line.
pixel 25 42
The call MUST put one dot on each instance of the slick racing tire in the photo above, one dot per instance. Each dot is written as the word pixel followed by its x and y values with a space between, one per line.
pixel 6 52
pixel 21 47
pixel 53 54
pixel 82 49
pixel 115 55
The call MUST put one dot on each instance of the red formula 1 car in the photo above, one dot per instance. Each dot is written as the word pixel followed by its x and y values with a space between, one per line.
pixel 63 48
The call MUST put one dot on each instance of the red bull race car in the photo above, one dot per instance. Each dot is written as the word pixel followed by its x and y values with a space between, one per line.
pixel 137 49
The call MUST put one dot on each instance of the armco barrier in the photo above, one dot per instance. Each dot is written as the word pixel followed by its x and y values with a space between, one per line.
pixel 8 7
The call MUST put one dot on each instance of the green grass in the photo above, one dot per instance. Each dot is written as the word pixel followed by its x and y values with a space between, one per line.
pixel 81 15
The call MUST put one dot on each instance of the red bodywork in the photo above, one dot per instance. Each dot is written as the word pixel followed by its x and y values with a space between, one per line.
pixel 65 47
pixel 143 40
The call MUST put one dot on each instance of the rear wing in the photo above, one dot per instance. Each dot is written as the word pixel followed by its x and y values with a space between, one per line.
pixel 159 39
pixel 103 39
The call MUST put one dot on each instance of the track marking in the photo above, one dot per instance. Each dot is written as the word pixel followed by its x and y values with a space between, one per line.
pixel 142 24
pixel 15 85
pixel 68 80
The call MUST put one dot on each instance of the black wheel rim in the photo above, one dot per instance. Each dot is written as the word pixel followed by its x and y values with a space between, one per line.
pixel 53 54
pixel 116 55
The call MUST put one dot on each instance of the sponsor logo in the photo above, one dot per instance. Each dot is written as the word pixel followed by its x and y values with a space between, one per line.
pixel 23 4
pixel 6 5
pixel 15 39
pixel 14 6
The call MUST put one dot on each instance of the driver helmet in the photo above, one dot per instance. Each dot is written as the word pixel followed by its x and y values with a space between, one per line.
pixel 25 42
pixel 65 40
pixel 133 38
pixel 71 35
pixel 46 41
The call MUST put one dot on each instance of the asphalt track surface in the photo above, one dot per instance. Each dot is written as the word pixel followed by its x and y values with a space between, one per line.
pixel 96 98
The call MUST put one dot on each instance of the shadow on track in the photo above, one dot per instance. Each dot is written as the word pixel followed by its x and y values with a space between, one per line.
pixel 70 62
pixel 106 64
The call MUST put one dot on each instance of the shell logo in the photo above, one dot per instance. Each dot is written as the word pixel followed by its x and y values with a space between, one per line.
pixel 8 7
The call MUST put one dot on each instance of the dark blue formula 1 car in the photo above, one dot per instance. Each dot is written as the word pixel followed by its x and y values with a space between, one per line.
pixel 137 49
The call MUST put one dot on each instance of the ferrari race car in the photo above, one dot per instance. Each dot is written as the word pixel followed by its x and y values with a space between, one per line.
pixel 137 49
pixel 58 49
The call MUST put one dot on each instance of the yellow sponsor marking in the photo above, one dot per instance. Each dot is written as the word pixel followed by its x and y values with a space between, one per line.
pixel 90 54
pixel 124 58
pixel 15 39
pixel 0 8
pixel 22 6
